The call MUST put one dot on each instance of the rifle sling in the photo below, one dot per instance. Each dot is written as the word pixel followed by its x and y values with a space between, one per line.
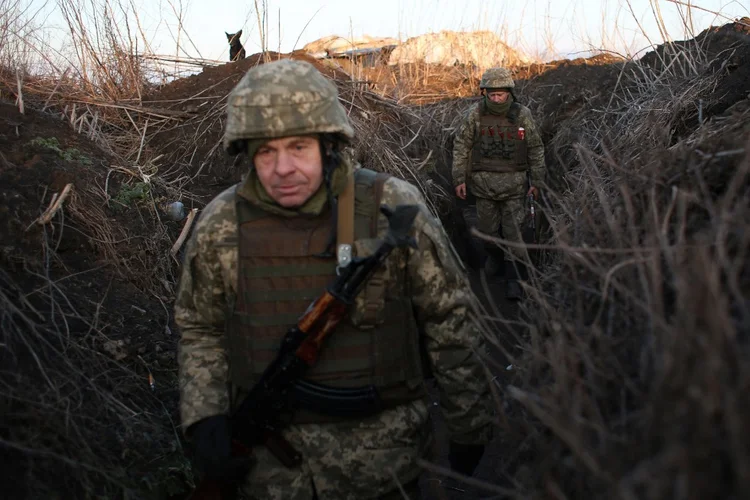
pixel 345 222
pixel 345 215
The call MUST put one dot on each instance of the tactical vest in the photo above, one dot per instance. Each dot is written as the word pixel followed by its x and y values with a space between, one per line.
pixel 497 146
pixel 279 274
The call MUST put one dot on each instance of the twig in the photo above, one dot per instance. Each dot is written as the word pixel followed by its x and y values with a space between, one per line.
pixel 577 249
pixel 19 99
pixel 54 206
pixel 718 14
pixel 185 231
pixel 54 91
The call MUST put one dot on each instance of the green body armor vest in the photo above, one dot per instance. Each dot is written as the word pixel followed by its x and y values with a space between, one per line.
pixel 497 146
pixel 279 274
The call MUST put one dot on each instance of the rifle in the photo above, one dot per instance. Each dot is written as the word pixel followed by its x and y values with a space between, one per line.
pixel 257 420
pixel 532 217
pixel 530 231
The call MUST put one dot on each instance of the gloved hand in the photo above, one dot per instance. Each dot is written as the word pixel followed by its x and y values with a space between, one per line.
pixel 212 445
pixel 464 458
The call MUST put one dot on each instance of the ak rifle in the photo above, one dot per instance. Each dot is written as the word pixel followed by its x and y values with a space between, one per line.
pixel 530 232
pixel 257 421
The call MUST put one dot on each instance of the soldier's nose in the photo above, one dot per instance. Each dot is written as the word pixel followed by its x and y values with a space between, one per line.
pixel 284 164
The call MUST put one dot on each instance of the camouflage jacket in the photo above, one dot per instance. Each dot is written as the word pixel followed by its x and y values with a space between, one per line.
pixel 493 185
pixel 355 459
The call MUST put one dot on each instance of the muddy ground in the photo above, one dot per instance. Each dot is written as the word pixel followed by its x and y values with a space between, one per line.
pixel 86 298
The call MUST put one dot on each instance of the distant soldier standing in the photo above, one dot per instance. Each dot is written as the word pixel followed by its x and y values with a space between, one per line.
pixel 496 151
pixel 263 249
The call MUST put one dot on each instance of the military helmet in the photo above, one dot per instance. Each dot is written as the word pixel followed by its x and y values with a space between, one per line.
pixel 497 78
pixel 283 98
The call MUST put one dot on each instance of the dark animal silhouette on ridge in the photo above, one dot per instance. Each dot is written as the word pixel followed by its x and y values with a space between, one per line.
pixel 236 50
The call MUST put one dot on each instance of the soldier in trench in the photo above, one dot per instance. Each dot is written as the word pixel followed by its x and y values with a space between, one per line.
pixel 246 278
pixel 498 153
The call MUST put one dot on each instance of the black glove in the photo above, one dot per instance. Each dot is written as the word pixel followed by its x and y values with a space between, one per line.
pixel 464 458
pixel 212 445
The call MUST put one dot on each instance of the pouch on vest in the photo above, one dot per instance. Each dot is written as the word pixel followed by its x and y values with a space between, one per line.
pixel 497 144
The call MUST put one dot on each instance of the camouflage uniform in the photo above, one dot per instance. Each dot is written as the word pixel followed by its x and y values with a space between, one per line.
pixel 351 459
pixel 500 196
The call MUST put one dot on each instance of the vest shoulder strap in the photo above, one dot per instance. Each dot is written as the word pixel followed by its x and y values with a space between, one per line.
pixel 369 194
pixel 345 215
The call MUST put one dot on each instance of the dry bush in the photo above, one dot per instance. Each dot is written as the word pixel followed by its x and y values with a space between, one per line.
pixel 77 422
pixel 98 82
pixel 421 83
pixel 387 137
pixel 413 83
pixel 84 309
pixel 632 381
pixel 78 417
pixel 84 322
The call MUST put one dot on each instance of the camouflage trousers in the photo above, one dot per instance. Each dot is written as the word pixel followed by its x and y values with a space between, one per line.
pixel 353 460
pixel 293 485
pixel 411 490
pixel 508 215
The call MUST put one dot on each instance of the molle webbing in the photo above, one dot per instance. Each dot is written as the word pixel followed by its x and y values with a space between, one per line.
pixel 279 275
pixel 497 147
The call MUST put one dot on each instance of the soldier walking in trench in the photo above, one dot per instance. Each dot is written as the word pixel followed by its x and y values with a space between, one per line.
pixel 263 248
pixel 498 152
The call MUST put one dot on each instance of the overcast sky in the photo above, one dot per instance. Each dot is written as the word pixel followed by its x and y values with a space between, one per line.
pixel 570 26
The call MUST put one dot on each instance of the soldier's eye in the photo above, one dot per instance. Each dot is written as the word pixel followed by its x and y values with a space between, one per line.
pixel 301 146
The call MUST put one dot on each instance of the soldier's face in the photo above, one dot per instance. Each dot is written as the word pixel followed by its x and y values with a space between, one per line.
pixel 290 169
pixel 498 96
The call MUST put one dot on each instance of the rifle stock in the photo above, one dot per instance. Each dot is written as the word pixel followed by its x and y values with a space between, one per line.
pixel 256 421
